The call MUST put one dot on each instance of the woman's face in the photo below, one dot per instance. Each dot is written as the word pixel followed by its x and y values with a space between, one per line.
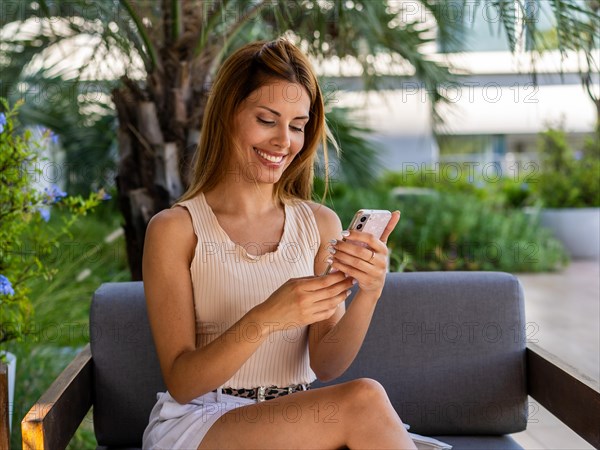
pixel 269 131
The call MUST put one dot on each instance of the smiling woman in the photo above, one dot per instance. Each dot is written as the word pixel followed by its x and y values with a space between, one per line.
pixel 270 130
pixel 229 276
pixel 272 86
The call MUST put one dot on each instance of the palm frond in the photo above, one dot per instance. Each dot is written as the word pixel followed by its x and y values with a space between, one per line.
pixel 153 60
pixel 214 17
pixel 359 160
pixel 86 130
pixel 508 12
pixel 361 30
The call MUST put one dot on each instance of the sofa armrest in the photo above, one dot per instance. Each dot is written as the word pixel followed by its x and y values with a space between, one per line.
pixel 52 421
pixel 571 396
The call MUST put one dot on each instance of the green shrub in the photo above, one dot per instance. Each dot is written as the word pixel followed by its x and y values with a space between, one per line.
pixel 44 295
pixel 59 326
pixel 568 179
pixel 453 230
pixel 445 177
pixel 24 215
pixel 516 193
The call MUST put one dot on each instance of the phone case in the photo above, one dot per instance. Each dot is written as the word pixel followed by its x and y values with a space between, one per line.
pixel 371 221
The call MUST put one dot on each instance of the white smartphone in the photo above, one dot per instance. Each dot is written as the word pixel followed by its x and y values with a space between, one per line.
pixel 371 221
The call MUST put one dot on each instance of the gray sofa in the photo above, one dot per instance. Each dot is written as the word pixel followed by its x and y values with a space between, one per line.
pixel 448 347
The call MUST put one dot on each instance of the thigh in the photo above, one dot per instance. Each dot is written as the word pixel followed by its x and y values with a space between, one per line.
pixel 309 419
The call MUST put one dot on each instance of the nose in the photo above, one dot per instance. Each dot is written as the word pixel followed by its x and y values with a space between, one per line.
pixel 281 137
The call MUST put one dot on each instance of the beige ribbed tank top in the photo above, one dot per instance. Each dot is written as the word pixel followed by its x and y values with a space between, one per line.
pixel 229 279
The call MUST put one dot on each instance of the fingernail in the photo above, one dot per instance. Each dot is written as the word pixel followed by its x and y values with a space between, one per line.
pixel 333 241
pixel 331 250
pixel 348 292
pixel 345 233
pixel 354 281
pixel 329 260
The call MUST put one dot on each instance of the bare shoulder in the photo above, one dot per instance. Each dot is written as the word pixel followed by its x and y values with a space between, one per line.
pixel 328 222
pixel 173 229
pixel 175 219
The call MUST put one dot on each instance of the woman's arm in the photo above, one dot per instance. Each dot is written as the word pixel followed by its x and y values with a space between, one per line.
pixel 189 371
pixel 335 342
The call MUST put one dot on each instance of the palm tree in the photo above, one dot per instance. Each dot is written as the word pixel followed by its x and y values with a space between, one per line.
pixel 172 48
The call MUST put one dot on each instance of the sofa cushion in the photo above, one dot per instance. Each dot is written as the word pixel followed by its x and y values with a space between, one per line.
pixel 450 351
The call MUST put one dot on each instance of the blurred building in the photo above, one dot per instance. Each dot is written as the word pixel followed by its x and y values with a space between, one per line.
pixel 496 109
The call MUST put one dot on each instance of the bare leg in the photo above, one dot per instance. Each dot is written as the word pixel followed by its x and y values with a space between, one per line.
pixel 356 414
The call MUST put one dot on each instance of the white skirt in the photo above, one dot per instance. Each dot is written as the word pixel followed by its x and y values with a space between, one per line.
pixel 182 427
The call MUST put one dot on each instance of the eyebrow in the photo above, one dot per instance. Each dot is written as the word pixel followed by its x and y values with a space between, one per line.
pixel 278 114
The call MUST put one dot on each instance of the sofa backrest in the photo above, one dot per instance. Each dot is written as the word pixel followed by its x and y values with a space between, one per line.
pixel 449 348
pixel 126 370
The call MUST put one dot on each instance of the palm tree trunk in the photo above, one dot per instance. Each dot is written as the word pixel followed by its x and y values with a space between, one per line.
pixel 157 140
pixel 148 178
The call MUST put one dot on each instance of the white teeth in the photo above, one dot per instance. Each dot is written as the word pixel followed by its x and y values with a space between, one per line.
pixel 274 159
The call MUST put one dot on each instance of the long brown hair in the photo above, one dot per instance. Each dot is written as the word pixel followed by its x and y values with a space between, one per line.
pixel 246 70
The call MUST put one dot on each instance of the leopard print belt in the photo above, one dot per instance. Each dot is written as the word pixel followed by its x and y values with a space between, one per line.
pixel 263 393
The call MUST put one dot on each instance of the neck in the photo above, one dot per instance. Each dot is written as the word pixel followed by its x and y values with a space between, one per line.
pixel 242 199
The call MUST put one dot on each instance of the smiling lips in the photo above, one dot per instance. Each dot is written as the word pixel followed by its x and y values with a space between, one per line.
pixel 271 158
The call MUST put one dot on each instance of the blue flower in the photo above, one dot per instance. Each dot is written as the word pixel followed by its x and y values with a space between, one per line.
pixel 524 186
pixel 54 194
pixel 5 286
pixel 103 195
pixel 2 122
pixel 45 213
pixel 53 137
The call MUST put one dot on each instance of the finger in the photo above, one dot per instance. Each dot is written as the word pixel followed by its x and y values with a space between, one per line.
pixel 390 226
pixel 337 288
pixel 366 254
pixel 325 294
pixel 318 282
pixel 358 251
pixel 333 302
pixel 365 264
pixel 364 238
pixel 352 271
pixel 366 281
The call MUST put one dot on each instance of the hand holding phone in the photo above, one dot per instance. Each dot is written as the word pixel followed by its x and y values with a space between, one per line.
pixel 372 221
